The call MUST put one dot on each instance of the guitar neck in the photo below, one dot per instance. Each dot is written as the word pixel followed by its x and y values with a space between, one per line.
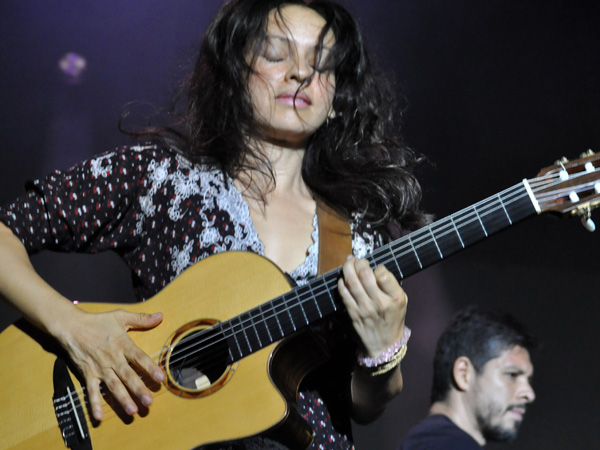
pixel 429 245
pixel 302 306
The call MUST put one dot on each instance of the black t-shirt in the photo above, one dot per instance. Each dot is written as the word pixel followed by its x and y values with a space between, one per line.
pixel 438 432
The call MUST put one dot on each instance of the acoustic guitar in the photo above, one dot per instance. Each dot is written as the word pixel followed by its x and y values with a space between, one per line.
pixel 224 342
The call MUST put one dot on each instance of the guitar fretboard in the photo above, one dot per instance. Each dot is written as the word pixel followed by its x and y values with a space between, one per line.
pixel 302 306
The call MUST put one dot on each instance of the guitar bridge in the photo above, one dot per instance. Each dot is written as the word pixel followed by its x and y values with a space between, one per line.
pixel 69 410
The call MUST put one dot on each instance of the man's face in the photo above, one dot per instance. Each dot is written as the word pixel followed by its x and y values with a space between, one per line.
pixel 502 391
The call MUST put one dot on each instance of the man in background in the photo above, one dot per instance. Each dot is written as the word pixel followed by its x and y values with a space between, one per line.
pixel 481 383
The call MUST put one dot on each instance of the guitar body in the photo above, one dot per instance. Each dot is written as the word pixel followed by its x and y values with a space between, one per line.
pixel 244 401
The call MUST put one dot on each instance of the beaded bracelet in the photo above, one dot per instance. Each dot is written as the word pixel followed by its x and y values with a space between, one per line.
pixel 389 359
pixel 394 362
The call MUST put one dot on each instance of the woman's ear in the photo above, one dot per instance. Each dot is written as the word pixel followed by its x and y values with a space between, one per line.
pixel 463 373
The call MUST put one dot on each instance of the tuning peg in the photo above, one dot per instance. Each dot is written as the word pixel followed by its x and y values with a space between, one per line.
pixel 561 161
pixel 589 152
pixel 588 224
pixel 586 219
pixel 564 176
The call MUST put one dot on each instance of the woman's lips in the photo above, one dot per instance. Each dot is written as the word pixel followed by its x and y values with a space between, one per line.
pixel 298 100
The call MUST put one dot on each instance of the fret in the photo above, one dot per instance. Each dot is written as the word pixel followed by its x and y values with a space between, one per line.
pixel 290 316
pixel 228 336
pixel 457 232
pixel 253 322
pixel 233 336
pixel 241 321
pixel 302 300
pixel 435 242
pixel 504 209
pixel 480 221
pixel 273 322
pixel 301 307
pixel 296 314
pixel 334 306
pixel 407 257
pixel 247 342
pixel 263 322
pixel 470 228
pixel 493 216
pixel 415 251
pixel 447 237
pixel 398 268
pixel 330 288
pixel 428 250
pixel 314 299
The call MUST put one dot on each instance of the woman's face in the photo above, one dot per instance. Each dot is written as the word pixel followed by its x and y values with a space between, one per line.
pixel 287 115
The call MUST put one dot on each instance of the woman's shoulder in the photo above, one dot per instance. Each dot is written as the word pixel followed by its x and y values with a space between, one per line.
pixel 135 154
pixel 156 159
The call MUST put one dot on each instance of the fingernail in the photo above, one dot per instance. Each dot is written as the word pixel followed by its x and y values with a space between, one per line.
pixel 158 376
pixel 146 400
pixel 130 408
pixel 98 413
pixel 156 315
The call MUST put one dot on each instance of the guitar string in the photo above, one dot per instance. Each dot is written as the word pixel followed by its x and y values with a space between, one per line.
pixel 467 217
pixel 541 182
pixel 534 183
pixel 83 405
pixel 252 319
pixel 551 196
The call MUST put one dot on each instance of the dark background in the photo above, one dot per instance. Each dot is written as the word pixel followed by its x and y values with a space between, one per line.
pixel 493 92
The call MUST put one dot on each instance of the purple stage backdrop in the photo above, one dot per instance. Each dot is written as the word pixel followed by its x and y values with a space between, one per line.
pixel 492 91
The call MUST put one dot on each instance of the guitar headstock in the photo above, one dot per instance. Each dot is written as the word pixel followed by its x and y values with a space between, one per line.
pixel 569 188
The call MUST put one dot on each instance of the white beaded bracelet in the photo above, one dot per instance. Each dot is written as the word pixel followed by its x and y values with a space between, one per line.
pixel 386 356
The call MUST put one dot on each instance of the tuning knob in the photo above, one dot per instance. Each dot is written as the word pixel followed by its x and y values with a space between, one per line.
pixel 561 161
pixel 586 219
pixel 588 224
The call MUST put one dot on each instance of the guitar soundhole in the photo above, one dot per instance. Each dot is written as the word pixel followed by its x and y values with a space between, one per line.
pixel 196 361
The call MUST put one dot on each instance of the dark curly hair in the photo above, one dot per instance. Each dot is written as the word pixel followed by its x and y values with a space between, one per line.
pixel 480 335
pixel 356 162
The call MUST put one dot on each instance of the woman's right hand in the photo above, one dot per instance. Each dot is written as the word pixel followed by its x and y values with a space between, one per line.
pixel 98 343
pixel 101 348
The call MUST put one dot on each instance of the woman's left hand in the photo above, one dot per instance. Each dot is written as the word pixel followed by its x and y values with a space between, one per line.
pixel 375 302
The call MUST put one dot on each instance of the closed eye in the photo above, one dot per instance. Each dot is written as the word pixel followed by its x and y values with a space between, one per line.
pixel 273 59
pixel 275 49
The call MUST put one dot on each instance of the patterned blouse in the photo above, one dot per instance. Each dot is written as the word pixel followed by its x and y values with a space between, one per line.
pixel 160 213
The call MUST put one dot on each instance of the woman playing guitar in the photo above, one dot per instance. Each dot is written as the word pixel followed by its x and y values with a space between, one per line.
pixel 283 113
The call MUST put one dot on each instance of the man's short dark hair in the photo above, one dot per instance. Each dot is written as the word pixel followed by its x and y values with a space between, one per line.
pixel 480 335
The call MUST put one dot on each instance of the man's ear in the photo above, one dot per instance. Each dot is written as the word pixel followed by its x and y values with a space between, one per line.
pixel 463 373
